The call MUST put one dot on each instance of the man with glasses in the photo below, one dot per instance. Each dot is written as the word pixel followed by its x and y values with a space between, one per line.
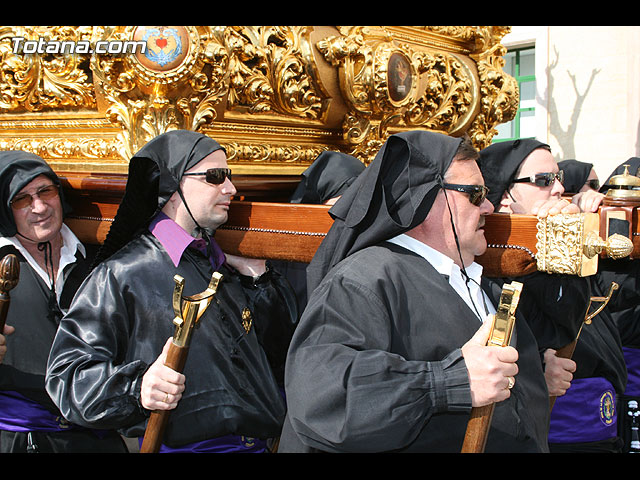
pixel 107 365
pixel 52 263
pixel 390 353
pixel 524 178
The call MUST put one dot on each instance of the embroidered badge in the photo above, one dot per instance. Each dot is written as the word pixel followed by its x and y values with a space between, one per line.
pixel 247 320
pixel 607 408
pixel 248 442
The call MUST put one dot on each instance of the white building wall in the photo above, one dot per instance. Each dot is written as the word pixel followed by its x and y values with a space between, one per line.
pixel 588 91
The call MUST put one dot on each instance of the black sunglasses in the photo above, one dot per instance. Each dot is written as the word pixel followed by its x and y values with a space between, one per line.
pixel 594 184
pixel 477 193
pixel 25 200
pixel 542 179
pixel 215 176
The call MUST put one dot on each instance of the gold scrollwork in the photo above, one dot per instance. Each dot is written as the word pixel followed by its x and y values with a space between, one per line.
pixel 570 244
pixel 499 92
pixel 270 70
pixel 273 95
pixel 146 102
pixel 39 82
pixel 389 83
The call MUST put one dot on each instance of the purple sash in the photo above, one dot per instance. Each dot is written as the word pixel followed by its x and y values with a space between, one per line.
pixel 20 414
pixel 226 444
pixel 632 359
pixel 586 413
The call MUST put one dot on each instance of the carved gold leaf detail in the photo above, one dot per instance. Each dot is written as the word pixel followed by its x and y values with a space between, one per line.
pixel 35 82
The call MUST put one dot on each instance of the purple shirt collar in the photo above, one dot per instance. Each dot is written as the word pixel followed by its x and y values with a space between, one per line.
pixel 175 240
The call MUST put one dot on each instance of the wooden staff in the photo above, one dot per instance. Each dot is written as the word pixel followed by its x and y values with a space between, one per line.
pixel 188 311
pixel 9 276
pixel 475 438
pixel 567 350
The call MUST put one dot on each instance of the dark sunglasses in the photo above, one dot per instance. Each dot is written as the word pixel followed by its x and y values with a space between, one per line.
pixel 215 176
pixel 542 179
pixel 25 200
pixel 594 183
pixel 477 193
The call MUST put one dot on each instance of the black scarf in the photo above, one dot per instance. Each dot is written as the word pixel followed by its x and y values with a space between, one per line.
pixel 575 174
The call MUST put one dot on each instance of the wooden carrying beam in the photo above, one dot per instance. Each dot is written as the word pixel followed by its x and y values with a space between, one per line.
pixel 293 232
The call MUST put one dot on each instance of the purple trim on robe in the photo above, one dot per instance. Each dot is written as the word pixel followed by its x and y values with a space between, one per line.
pixel 175 240
pixel 586 413
pixel 226 444
pixel 20 414
pixel 632 359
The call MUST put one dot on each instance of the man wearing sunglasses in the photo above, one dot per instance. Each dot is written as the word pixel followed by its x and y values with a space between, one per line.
pixel 390 353
pixel 107 364
pixel 524 178
pixel 52 263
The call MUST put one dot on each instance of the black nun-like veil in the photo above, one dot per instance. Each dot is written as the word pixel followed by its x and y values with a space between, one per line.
pixel 499 164
pixel 391 196
pixel 328 177
pixel 575 174
pixel 154 175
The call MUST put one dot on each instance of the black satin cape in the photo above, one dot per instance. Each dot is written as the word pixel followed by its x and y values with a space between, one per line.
pixel 375 364
pixel 25 363
pixel 598 351
pixel 122 316
pixel 553 305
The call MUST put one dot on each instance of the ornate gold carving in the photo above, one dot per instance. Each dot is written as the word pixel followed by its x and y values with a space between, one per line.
pixel 38 82
pixel 275 96
pixel 498 91
pixel 271 71
pixel 146 102
pixel 570 244
pixel 395 85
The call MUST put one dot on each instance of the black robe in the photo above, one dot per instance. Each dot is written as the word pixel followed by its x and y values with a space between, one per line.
pixel 25 363
pixel 24 366
pixel 375 364
pixel 121 318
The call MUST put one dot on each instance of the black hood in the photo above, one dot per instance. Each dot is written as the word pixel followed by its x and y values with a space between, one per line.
pixel 575 174
pixel 154 176
pixel 17 169
pixel 499 164
pixel 391 196
pixel 328 177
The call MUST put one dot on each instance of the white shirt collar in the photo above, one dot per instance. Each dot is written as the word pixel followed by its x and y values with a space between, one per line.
pixel 70 245
pixel 446 266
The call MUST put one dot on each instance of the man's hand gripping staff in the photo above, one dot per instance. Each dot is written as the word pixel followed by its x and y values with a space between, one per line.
pixel 499 336
pixel 188 311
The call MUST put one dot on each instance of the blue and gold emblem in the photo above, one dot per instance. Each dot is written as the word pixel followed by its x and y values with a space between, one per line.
pixel 166 47
pixel 607 408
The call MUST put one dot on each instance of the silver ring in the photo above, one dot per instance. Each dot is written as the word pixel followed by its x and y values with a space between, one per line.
pixel 512 382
